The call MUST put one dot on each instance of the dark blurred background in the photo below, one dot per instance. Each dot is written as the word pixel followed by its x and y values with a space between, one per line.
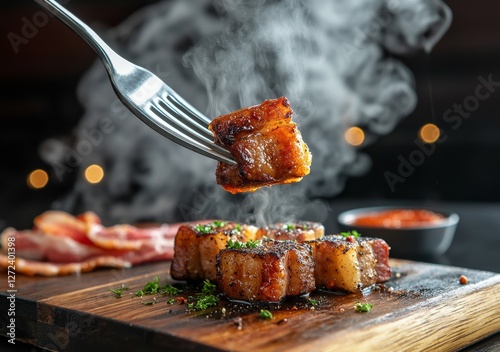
pixel 38 101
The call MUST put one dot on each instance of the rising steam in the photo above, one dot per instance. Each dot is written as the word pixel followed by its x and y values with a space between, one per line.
pixel 328 57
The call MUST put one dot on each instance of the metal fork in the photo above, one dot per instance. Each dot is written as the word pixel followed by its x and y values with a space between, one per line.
pixel 146 95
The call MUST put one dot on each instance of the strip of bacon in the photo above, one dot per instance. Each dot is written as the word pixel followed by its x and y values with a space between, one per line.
pixel 62 244
pixel 36 245
pixel 126 237
pixel 34 267
pixel 59 223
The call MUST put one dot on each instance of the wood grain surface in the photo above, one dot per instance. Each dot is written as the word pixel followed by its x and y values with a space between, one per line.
pixel 426 309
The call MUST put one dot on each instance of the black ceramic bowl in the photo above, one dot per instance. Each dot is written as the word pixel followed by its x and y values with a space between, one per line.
pixel 406 242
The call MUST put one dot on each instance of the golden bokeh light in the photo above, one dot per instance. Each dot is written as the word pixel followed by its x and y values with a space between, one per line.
pixel 429 133
pixel 37 179
pixel 354 136
pixel 94 173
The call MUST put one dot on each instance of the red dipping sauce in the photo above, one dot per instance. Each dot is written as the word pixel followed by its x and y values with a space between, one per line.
pixel 398 218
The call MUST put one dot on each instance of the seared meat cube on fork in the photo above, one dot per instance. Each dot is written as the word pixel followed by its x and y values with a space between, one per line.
pixel 266 145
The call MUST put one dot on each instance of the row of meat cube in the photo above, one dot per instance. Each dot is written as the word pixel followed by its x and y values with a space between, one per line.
pixel 288 259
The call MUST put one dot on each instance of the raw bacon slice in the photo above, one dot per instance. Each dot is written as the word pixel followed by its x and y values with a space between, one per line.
pixel 266 145
pixel 36 245
pixel 58 223
pixel 62 244
pixel 127 237
pixel 34 267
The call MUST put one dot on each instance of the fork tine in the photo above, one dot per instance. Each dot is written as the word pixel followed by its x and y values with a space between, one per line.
pixel 188 108
pixel 202 135
pixel 171 105
pixel 175 129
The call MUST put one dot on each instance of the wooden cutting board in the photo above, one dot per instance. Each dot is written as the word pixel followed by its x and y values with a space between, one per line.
pixel 428 309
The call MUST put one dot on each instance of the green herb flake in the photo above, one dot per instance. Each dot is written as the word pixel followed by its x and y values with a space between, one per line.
pixel 208 288
pixel 171 301
pixel 119 291
pixel 206 229
pixel 289 227
pixel 170 290
pixel 313 302
pixel 253 244
pixel 219 224
pixel 237 244
pixel 206 298
pixel 148 303
pixel 356 234
pixel 234 244
pixel 363 307
pixel 352 233
pixel 265 314
pixel 150 288
pixel 203 302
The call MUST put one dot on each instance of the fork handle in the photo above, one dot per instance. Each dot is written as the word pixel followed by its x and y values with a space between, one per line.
pixel 105 53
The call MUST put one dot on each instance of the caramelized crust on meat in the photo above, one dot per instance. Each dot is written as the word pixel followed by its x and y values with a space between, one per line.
pixel 348 264
pixel 196 248
pixel 266 145
pixel 302 231
pixel 266 273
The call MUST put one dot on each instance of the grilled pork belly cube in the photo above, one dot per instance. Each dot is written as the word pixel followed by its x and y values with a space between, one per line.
pixel 381 252
pixel 266 273
pixel 349 264
pixel 301 231
pixel 266 145
pixel 196 247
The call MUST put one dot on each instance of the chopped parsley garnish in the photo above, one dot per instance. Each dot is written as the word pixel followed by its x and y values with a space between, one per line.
pixel 352 233
pixel 206 229
pixel 218 224
pixel 170 290
pixel 153 288
pixel 265 314
pixel 312 302
pixel 206 298
pixel 203 302
pixel 363 307
pixel 208 288
pixel 237 244
pixel 119 291
pixel 209 228
pixel 289 227
pixel 150 288
pixel 237 227
pixel 234 244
